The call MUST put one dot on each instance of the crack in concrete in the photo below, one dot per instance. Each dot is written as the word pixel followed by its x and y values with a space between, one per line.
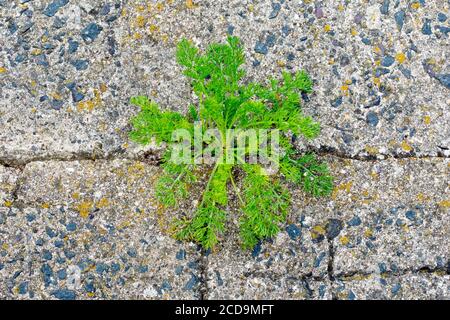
pixel 329 151
pixel 422 270
pixel 330 268
pixel 154 157
pixel 204 275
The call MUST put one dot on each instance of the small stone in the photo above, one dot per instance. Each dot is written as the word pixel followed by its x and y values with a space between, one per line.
pixel 399 19
pixel 426 28
pixel 270 40
pixel 132 252
pixel 384 9
pixel 293 231
pixel 334 227
pixel 256 250
pixel 91 32
pixel 387 61
pixel 47 255
pixel 191 283
pixel 396 288
pixel 355 221
pixel 345 60
pixel 358 18
pixel 181 255
pixel 71 226
pixel 73 46
pixel 276 7
pixel 53 7
pixel 441 17
pixel 285 30
pixel 381 72
pixel 443 29
pixel 261 48
pixel 411 215
pixel 444 79
pixel 336 102
pixel 80 64
pixel 23 288
pixel 64 294
pixel 372 119
pixel 62 274
pixel 230 29
pixel 319 13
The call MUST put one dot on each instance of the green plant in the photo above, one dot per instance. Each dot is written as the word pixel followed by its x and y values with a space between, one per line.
pixel 225 101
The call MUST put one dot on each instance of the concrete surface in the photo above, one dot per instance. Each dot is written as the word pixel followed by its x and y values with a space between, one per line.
pixel 77 214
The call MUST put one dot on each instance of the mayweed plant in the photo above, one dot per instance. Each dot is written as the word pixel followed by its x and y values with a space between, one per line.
pixel 239 135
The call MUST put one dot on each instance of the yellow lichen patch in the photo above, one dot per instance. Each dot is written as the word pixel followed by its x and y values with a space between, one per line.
pixel 377 50
pixel 102 203
pixel 45 205
pixel 153 28
pixel 444 204
pixel 346 186
pixel 140 21
pixel 427 120
pixel 160 6
pixel 3 70
pixel 354 32
pixel 371 150
pixel 136 169
pixel 377 81
pixel 344 240
pixel 76 195
pixel 415 5
pixel 5 246
pixel 8 204
pixel 190 4
pixel 36 52
pixel 374 175
pixel 317 231
pixel 368 233
pixel 281 63
pixel 422 197
pixel 400 57
pixel 123 225
pixel 103 88
pixel 84 208
pixel 406 147
pixel 341 7
pixel 327 28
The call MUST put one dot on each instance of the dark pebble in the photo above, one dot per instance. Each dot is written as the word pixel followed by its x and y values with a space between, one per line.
pixel 91 32
pixel 64 294
pixel 399 19
pixel 293 231
pixel 426 28
pixel 334 227
pixel 261 48
pixel 276 7
pixel 372 119
pixel 53 7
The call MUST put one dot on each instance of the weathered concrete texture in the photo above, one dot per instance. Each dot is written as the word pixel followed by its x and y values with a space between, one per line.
pixel 54 253
pixel 410 286
pixel 384 216
pixel 281 268
pixel 8 183
pixel 96 221
pixel 122 186
pixel 69 68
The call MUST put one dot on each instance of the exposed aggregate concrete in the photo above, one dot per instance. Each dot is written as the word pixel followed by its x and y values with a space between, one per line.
pixel 77 215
